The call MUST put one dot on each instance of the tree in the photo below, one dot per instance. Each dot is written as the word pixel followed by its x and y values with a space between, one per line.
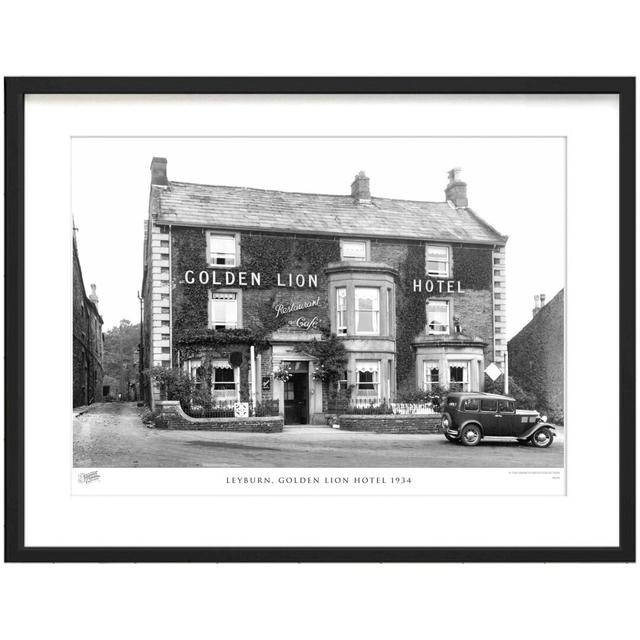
pixel 119 356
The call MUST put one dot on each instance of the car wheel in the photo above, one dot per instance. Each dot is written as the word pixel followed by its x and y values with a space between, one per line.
pixel 542 438
pixel 471 435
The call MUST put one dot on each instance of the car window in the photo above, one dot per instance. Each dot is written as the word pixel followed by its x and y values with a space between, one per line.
pixel 470 404
pixel 506 406
pixel 489 405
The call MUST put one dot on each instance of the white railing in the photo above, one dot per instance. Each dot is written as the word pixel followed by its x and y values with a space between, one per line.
pixel 401 408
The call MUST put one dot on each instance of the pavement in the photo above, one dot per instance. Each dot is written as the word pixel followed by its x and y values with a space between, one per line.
pixel 114 435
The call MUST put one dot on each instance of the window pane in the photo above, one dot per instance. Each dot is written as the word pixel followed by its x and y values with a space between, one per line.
pixel 437 259
pixel 224 381
pixel 341 307
pixel 488 405
pixel 367 310
pixel 223 250
pixel 431 375
pixel 438 317
pixel 458 376
pixel 367 379
pixel 506 406
pixel 470 404
pixel 224 310
pixel 438 253
pixel 354 250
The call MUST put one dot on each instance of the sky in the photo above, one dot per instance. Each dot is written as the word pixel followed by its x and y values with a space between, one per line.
pixel 516 184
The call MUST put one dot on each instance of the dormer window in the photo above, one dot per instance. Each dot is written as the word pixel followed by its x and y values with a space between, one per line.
pixel 437 261
pixel 353 250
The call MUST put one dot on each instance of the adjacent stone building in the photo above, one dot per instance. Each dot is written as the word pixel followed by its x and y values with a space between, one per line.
pixel 87 340
pixel 235 279
pixel 536 356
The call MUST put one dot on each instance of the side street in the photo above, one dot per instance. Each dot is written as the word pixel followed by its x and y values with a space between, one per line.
pixel 116 435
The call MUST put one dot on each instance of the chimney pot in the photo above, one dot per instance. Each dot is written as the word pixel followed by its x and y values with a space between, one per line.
pixel 360 188
pixel 159 172
pixel 456 191
pixel 536 304
pixel 543 297
pixel 93 296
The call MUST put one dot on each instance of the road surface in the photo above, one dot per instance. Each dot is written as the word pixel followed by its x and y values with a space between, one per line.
pixel 114 435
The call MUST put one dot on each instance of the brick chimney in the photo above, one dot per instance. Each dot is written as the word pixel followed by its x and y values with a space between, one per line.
pixel 159 172
pixel 360 188
pixel 93 296
pixel 456 190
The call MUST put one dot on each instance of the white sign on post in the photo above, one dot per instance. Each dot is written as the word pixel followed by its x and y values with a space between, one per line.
pixel 241 409
pixel 493 371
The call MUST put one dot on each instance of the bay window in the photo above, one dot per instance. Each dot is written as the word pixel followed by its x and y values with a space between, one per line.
pixel 459 376
pixel 431 375
pixel 224 383
pixel 368 380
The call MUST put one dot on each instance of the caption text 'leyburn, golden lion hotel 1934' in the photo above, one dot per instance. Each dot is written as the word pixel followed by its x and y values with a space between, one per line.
pixel 415 290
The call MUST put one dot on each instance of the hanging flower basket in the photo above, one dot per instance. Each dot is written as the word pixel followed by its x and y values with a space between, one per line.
pixel 283 372
pixel 321 374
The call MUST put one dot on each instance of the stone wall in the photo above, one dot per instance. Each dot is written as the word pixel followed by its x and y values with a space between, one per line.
pixel 536 358
pixel 87 342
pixel 171 416
pixel 391 423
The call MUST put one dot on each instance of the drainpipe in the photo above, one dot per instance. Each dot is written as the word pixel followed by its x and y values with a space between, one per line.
pixel 253 377
pixel 506 372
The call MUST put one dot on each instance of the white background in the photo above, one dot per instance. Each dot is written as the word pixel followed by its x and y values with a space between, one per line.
pixel 320 601
pixel 53 517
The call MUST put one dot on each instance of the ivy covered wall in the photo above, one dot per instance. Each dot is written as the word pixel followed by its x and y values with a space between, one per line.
pixel 260 253
pixel 536 358
pixel 471 265
pixel 269 255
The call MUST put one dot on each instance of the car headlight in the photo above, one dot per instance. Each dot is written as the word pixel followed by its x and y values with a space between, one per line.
pixel 445 422
pixel 543 418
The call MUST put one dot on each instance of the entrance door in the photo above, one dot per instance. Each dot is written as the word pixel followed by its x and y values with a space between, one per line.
pixel 296 398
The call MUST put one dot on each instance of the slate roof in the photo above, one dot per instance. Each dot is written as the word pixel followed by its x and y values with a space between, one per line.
pixel 243 208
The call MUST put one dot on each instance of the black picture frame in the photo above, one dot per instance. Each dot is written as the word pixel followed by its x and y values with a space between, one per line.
pixel 15 91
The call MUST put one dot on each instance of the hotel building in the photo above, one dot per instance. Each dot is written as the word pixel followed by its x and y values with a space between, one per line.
pixel 236 279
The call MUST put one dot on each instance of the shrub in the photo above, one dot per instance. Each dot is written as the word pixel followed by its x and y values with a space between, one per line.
pixel 331 358
pixel 174 384
pixel 524 399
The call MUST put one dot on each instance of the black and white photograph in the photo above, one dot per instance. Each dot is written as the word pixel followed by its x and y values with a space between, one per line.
pixel 318 302
pixel 359 318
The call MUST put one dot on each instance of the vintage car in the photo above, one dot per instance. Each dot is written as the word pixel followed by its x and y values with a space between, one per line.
pixel 469 417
